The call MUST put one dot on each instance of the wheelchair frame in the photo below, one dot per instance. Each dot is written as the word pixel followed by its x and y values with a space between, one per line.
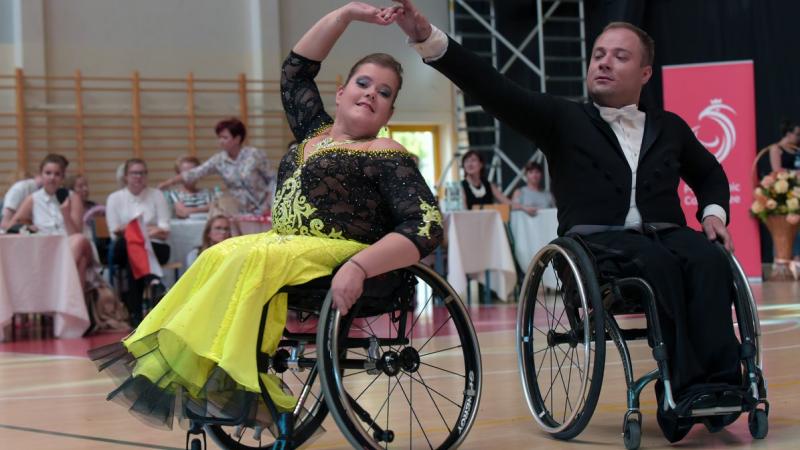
pixel 331 339
pixel 593 329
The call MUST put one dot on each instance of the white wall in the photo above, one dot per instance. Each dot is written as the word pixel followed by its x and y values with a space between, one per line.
pixel 212 39
pixel 155 37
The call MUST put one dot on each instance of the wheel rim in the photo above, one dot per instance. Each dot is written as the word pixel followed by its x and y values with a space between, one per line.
pixel 423 393
pixel 551 338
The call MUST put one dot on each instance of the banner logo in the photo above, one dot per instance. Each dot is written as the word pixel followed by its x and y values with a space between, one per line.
pixel 722 144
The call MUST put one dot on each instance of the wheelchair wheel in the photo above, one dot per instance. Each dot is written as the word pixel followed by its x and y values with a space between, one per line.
pixel 403 379
pixel 561 338
pixel 308 420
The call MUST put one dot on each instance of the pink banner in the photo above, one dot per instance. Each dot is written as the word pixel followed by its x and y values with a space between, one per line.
pixel 718 101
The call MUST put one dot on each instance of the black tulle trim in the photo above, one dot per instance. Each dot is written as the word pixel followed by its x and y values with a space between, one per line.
pixel 220 397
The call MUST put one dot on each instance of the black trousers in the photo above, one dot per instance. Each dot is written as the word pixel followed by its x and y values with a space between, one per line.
pixel 133 298
pixel 693 285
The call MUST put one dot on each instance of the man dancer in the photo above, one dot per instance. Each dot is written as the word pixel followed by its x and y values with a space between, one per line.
pixel 615 171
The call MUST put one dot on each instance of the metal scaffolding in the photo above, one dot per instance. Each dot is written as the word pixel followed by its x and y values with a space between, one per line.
pixel 558 61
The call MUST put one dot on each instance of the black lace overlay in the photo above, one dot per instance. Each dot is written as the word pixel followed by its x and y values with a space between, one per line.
pixel 345 193
pixel 300 96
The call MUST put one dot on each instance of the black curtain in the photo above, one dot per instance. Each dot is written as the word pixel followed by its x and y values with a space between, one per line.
pixel 692 31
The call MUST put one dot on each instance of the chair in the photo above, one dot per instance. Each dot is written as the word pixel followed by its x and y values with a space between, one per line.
pixel 377 374
pixel 585 305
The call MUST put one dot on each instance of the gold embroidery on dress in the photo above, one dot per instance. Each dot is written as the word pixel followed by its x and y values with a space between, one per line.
pixel 430 215
pixel 291 211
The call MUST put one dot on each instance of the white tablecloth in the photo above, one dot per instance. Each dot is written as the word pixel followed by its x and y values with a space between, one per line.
pixel 184 236
pixel 477 242
pixel 531 233
pixel 38 275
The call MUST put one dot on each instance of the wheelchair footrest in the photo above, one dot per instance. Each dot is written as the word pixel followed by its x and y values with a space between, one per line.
pixel 713 400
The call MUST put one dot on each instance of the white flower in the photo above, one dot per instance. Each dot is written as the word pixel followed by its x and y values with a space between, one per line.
pixel 793 204
pixel 783 175
pixel 781 186
pixel 757 207
pixel 772 204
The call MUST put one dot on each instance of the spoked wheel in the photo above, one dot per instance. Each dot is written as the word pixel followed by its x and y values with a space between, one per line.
pixel 748 330
pixel 308 418
pixel 561 338
pixel 403 379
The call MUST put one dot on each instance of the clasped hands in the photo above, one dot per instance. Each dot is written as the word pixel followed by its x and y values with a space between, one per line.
pixel 404 13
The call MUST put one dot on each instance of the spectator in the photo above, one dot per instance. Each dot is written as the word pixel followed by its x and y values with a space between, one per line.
pixel 187 199
pixel 79 184
pixel 15 195
pixel 784 154
pixel 217 229
pixel 136 199
pixel 476 187
pixel 245 170
pixel 531 198
pixel 56 211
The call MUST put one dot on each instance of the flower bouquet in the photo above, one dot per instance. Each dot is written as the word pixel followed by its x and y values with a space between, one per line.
pixel 777 204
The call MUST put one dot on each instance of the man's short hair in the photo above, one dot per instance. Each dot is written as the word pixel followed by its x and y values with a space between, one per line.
pixel 648 44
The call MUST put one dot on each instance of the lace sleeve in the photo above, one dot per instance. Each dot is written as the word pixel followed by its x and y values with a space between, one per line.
pixel 415 213
pixel 300 96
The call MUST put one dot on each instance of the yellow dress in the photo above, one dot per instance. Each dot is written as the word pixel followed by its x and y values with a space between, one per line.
pixel 227 287
pixel 196 349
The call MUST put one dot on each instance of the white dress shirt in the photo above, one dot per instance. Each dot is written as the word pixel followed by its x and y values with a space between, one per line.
pixel 47 214
pixel 122 207
pixel 627 123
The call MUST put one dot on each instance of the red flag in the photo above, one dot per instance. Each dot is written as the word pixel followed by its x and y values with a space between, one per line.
pixel 141 256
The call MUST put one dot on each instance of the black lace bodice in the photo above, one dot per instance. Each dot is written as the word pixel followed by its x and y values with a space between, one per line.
pixel 345 193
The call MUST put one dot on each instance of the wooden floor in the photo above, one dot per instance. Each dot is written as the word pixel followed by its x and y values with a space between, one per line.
pixel 52 398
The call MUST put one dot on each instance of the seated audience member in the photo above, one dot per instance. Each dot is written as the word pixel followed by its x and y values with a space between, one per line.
pixel 187 199
pixel 217 229
pixel 79 184
pixel 135 200
pixel 54 212
pixel 785 154
pixel 531 198
pixel 476 187
pixel 15 195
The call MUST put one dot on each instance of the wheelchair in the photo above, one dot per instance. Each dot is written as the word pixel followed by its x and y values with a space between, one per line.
pixel 402 369
pixel 566 315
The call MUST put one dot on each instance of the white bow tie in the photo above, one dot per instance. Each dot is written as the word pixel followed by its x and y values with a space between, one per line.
pixel 629 112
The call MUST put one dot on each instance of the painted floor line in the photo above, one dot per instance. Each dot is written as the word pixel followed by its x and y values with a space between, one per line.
pixel 87 438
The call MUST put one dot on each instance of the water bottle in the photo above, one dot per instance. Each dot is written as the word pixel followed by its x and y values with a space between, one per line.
pixel 453 196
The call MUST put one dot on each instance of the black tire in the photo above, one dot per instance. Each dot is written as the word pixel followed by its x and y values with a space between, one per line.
pixel 450 389
pixel 573 295
pixel 632 434
pixel 758 423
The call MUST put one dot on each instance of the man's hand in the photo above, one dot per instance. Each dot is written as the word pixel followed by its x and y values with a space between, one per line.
pixel 412 22
pixel 347 286
pixel 715 229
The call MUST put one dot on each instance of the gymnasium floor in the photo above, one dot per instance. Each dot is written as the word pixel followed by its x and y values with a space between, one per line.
pixel 51 397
